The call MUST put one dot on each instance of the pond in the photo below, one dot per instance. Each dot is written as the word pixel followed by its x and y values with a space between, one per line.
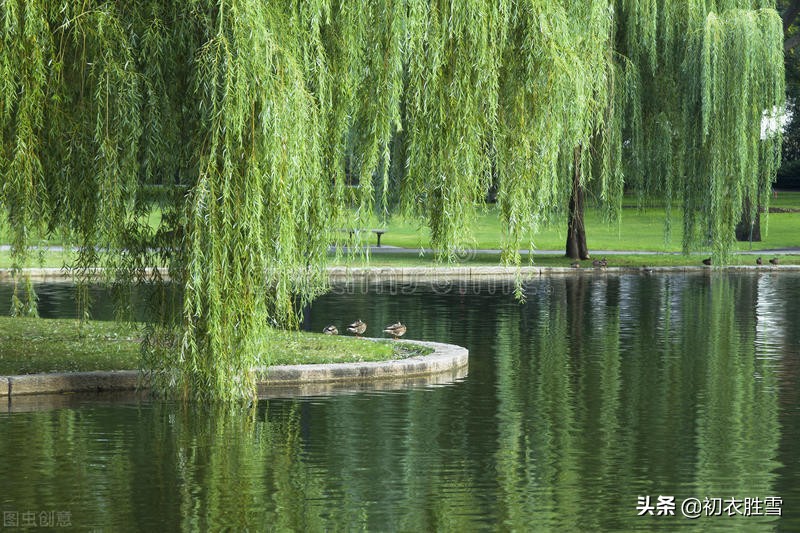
pixel 601 398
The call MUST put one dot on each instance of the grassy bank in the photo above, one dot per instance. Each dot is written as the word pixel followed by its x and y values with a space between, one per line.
pixel 29 345
pixel 638 230
pixel 411 259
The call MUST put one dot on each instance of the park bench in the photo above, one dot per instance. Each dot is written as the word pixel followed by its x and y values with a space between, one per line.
pixel 354 231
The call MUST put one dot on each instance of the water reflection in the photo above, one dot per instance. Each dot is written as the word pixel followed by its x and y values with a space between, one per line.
pixel 598 390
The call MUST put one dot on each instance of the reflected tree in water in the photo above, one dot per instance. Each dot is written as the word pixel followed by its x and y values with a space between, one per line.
pixel 670 388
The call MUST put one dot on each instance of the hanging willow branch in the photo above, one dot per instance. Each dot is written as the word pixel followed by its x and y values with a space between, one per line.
pixel 252 131
pixel 702 101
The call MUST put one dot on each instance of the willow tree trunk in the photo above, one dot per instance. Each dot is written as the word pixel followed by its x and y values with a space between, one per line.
pixel 749 227
pixel 576 231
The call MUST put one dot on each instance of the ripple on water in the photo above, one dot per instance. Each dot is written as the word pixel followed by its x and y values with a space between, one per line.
pixel 592 393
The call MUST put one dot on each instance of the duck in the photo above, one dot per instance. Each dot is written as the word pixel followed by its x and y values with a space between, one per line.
pixel 396 330
pixel 774 261
pixel 597 263
pixel 604 262
pixel 576 264
pixel 358 327
pixel 707 261
pixel 330 330
pixel 759 261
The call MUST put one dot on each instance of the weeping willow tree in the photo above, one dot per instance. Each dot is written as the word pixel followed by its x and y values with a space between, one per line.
pixel 242 126
pixel 556 118
pixel 709 82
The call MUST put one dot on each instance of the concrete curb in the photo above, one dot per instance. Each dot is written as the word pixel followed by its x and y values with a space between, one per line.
pixel 416 274
pixel 445 358
pixel 420 274
pixel 448 360
pixel 97 381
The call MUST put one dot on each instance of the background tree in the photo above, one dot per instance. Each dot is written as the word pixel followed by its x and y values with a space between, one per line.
pixel 709 73
pixel 749 228
pixel 238 119
pixel 790 10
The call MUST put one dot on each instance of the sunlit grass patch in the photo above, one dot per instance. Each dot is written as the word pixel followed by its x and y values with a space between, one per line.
pixel 294 348
pixel 33 345
pixel 637 230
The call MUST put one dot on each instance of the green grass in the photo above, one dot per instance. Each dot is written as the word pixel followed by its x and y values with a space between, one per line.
pixel 786 199
pixel 48 260
pixel 299 348
pixel 638 230
pixel 32 345
pixel 398 260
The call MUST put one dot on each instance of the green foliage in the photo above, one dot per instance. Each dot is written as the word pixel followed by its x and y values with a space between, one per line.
pixel 702 100
pixel 555 98
pixel 255 119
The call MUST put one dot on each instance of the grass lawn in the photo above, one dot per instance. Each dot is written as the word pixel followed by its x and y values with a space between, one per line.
pixel 32 345
pixel 638 230
pixel 411 259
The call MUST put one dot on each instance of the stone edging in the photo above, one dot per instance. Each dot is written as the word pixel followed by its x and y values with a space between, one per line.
pixel 438 273
pixel 445 358
pixel 422 274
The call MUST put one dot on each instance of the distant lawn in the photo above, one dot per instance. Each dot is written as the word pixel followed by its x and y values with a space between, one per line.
pixel 410 259
pixel 32 345
pixel 638 230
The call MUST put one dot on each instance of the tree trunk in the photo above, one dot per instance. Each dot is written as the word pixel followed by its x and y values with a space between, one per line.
pixel 576 231
pixel 307 317
pixel 749 227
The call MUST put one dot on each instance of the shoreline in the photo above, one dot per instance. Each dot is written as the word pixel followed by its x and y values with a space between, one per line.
pixel 422 273
pixel 447 360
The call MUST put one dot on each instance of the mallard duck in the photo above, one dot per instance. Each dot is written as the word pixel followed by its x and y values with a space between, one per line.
pixel 396 330
pixel 358 327
pixel 759 261
pixel 597 263
pixel 707 261
pixel 330 330
pixel 773 261
pixel 604 263
pixel 576 264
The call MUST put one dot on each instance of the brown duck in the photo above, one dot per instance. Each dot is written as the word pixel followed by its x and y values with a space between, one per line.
pixel 396 330
pixel 330 330
pixel 358 327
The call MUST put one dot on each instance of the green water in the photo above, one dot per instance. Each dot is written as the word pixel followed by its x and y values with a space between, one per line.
pixel 597 391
